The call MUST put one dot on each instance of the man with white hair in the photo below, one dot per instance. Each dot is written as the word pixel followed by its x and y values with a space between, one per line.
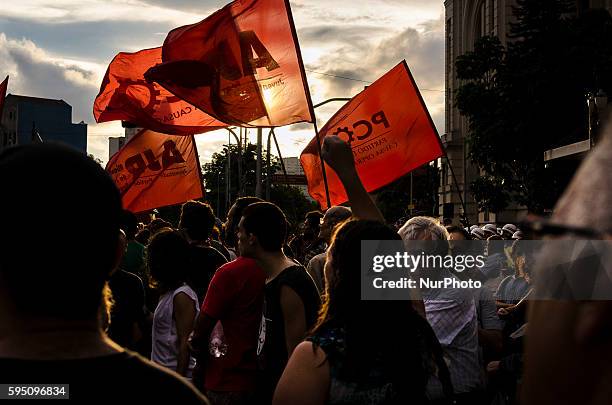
pixel 451 312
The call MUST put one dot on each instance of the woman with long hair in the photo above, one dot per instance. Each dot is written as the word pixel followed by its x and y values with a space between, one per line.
pixel 361 351
pixel 174 317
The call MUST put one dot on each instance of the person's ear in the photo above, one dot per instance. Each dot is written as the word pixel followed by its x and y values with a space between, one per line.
pixel 119 251
pixel 252 239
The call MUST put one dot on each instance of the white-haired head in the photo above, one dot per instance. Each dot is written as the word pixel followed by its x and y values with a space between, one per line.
pixel 425 228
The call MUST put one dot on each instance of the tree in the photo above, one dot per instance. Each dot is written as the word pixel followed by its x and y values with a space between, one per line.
pixel 95 159
pixel 394 199
pixel 530 97
pixel 288 198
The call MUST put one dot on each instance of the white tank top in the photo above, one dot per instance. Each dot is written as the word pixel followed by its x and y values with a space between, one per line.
pixel 164 339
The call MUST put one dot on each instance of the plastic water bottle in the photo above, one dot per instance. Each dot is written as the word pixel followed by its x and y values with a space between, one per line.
pixel 217 346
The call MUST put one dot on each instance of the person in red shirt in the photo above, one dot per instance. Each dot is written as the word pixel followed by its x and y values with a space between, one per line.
pixel 226 334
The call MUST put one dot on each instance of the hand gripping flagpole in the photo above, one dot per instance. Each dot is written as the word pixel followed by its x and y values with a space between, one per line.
pixel 308 99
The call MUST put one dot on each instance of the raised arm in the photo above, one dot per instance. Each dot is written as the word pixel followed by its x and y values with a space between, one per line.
pixel 339 156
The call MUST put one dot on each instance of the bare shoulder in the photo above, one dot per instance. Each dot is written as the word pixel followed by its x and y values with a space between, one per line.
pixel 310 355
pixel 306 378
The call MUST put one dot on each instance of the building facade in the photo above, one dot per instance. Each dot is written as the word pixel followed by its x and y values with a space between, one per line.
pixel 117 142
pixel 52 119
pixel 295 176
pixel 466 21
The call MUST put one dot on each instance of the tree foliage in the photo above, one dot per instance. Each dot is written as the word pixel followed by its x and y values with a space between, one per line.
pixel 394 199
pixel 528 97
pixel 288 198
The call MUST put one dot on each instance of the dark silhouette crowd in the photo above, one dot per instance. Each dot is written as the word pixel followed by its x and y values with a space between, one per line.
pixel 242 312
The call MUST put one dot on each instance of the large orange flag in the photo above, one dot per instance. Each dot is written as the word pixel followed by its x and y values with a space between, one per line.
pixel 154 170
pixel 126 95
pixel 3 88
pixel 241 65
pixel 389 130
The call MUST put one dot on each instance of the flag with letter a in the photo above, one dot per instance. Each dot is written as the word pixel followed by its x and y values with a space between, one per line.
pixel 241 65
pixel 390 133
pixel 154 170
pixel 126 95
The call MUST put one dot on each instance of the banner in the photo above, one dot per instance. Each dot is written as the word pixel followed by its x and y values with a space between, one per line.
pixel 126 95
pixel 241 65
pixel 3 88
pixel 389 130
pixel 154 170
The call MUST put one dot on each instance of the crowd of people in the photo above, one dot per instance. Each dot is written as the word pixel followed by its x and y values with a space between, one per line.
pixel 239 311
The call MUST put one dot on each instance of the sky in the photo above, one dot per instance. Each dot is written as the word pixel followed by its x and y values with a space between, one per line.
pixel 60 49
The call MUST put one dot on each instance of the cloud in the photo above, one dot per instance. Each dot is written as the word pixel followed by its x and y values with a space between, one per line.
pixel 96 41
pixel 66 11
pixel 60 49
pixel 302 126
pixel 204 7
pixel 421 46
pixel 33 72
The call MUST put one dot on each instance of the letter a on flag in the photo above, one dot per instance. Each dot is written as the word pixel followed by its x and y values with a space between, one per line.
pixel 154 170
pixel 126 95
pixel 389 130
pixel 3 88
pixel 241 65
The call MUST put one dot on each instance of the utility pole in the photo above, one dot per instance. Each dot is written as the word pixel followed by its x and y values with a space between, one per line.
pixel 258 190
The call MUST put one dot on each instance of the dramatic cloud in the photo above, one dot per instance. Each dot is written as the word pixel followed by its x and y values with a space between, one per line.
pixel 422 47
pixel 66 11
pixel 61 48
pixel 35 73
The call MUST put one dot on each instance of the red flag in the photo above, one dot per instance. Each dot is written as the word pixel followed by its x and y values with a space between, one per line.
pixel 126 95
pixel 389 130
pixel 3 88
pixel 154 170
pixel 241 65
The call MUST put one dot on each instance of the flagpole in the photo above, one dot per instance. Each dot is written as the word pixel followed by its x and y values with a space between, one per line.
pixel 465 217
pixel 195 148
pixel 282 162
pixel 280 156
pixel 268 166
pixel 258 164
pixel 418 92
pixel 308 98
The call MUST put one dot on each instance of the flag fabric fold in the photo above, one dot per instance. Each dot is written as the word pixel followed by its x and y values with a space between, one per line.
pixel 126 95
pixel 241 65
pixel 390 133
pixel 154 170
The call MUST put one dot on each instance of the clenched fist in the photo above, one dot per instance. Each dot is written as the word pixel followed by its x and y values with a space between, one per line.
pixel 338 155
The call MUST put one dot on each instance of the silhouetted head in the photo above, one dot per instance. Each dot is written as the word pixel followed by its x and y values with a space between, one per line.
pixel 263 227
pixel 61 213
pixel 197 220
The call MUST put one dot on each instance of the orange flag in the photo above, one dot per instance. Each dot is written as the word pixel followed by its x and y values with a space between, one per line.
pixel 389 130
pixel 154 170
pixel 241 65
pixel 3 88
pixel 126 95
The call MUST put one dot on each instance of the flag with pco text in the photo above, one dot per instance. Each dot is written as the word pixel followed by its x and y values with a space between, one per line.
pixel 389 130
